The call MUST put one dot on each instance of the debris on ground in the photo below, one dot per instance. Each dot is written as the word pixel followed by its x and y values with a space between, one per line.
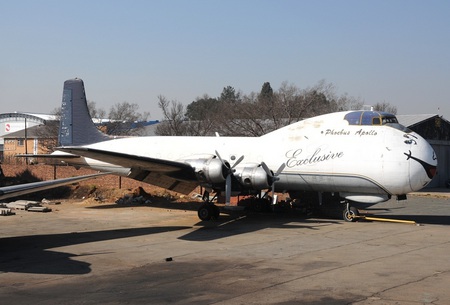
pixel 27 205
pixel 138 196
pixel 39 209
pixel 6 212
pixel 46 201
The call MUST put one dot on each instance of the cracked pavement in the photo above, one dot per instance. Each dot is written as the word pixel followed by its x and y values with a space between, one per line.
pixel 109 254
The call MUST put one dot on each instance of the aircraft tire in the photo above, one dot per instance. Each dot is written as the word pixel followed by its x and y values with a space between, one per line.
pixel 205 212
pixel 350 213
pixel 216 212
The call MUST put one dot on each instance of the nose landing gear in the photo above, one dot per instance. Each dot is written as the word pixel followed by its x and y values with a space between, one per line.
pixel 350 213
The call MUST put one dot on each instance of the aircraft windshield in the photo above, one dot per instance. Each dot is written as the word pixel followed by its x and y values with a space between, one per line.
pixel 374 118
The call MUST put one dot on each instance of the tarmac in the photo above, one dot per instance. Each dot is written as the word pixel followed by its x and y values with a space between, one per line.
pixel 116 254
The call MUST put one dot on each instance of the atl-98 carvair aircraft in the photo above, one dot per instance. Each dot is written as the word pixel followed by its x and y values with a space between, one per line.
pixel 360 156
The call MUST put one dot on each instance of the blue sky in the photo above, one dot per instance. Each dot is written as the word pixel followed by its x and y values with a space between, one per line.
pixel 380 51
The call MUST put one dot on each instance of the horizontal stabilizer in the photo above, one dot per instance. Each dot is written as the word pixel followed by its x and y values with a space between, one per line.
pixel 27 188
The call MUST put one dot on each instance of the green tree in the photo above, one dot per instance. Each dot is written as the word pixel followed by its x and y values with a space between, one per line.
pixel 266 91
pixel 229 95
pixel 202 108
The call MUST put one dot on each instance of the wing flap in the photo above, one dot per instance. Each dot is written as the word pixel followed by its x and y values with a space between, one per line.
pixel 164 181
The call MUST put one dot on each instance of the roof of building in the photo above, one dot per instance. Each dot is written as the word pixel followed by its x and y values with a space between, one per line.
pixel 38 131
pixel 39 117
pixel 410 120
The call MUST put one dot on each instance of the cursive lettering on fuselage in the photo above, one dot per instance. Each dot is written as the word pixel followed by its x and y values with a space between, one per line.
pixel 333 132
pixel 298 158
pixel 362 132
pixel 342 132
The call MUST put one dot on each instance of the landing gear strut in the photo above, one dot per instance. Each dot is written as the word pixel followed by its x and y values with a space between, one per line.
pixel 208 210
pixel 350 213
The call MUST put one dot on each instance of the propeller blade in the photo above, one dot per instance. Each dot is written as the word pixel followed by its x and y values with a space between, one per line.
pixel 221 160
pixel 228 189
pixel 280 169
pixel 238 161
pixel 273 177
pixel 266 169
pixel 228 177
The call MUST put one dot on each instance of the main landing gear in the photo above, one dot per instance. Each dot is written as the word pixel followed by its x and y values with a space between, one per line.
pixel 208 210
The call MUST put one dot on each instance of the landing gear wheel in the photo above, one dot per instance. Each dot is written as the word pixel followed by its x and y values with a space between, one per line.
pixel 205 212
pixel 216 212
pixel 351 214
pixel 208 211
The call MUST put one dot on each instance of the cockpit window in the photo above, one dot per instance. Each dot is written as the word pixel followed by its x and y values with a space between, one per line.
pixel 374 118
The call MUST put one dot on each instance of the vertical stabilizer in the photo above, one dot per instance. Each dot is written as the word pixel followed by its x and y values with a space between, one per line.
pixel 76 126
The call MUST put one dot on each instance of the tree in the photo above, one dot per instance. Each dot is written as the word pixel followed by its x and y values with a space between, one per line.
pixel 174 118
pixel 229 95
pixel 266 91
pixel 96 113
pixel 385 107
pixel 125 119
pixel 202 108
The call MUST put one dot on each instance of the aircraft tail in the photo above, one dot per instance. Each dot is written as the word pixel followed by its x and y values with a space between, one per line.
pixel 76 126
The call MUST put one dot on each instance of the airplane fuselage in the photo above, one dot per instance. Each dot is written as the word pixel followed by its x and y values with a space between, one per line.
pixel 324 153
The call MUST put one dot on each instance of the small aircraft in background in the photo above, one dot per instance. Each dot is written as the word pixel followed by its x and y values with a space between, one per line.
pixel 355 156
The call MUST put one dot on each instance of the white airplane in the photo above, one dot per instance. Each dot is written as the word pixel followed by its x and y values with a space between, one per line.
pixel 359 156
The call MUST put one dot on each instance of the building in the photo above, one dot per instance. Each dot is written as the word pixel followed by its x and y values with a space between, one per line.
pixel 39 139
pixel 16 121
pixel 436 130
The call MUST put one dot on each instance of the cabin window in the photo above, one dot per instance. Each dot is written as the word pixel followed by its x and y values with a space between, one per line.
pixel 370 118
pixel 20 142
pixel 374 118
pixel 353 118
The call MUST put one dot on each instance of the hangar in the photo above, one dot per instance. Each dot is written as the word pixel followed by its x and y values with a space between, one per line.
pixel 16 121
pixel 436 130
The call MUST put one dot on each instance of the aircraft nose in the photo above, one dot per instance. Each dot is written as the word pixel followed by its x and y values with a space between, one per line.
pixel 423 163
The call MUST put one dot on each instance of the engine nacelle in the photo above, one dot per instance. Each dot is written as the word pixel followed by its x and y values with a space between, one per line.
pixel 210 170
pixel 252 177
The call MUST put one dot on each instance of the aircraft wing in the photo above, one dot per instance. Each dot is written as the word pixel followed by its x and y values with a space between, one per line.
pixel 48 156
pixel 22 189
pixel 176 176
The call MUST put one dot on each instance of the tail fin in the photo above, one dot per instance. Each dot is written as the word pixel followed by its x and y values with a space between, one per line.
pixel 76 126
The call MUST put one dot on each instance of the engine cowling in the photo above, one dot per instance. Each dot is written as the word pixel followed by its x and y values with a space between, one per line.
pixel 208 170
pixel 253 177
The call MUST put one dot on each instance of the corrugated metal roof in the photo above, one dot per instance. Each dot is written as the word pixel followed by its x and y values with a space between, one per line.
pixel 409 120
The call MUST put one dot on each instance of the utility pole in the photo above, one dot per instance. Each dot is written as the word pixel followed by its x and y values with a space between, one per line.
pixel 26 141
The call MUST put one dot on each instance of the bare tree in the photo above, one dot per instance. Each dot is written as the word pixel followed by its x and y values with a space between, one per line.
pixel 125 119
pixel 386 107
pixel 96 113
pixel 174 118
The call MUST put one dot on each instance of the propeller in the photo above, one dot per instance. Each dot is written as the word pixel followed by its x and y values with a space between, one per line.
pixel 273 177
pixel 230 171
